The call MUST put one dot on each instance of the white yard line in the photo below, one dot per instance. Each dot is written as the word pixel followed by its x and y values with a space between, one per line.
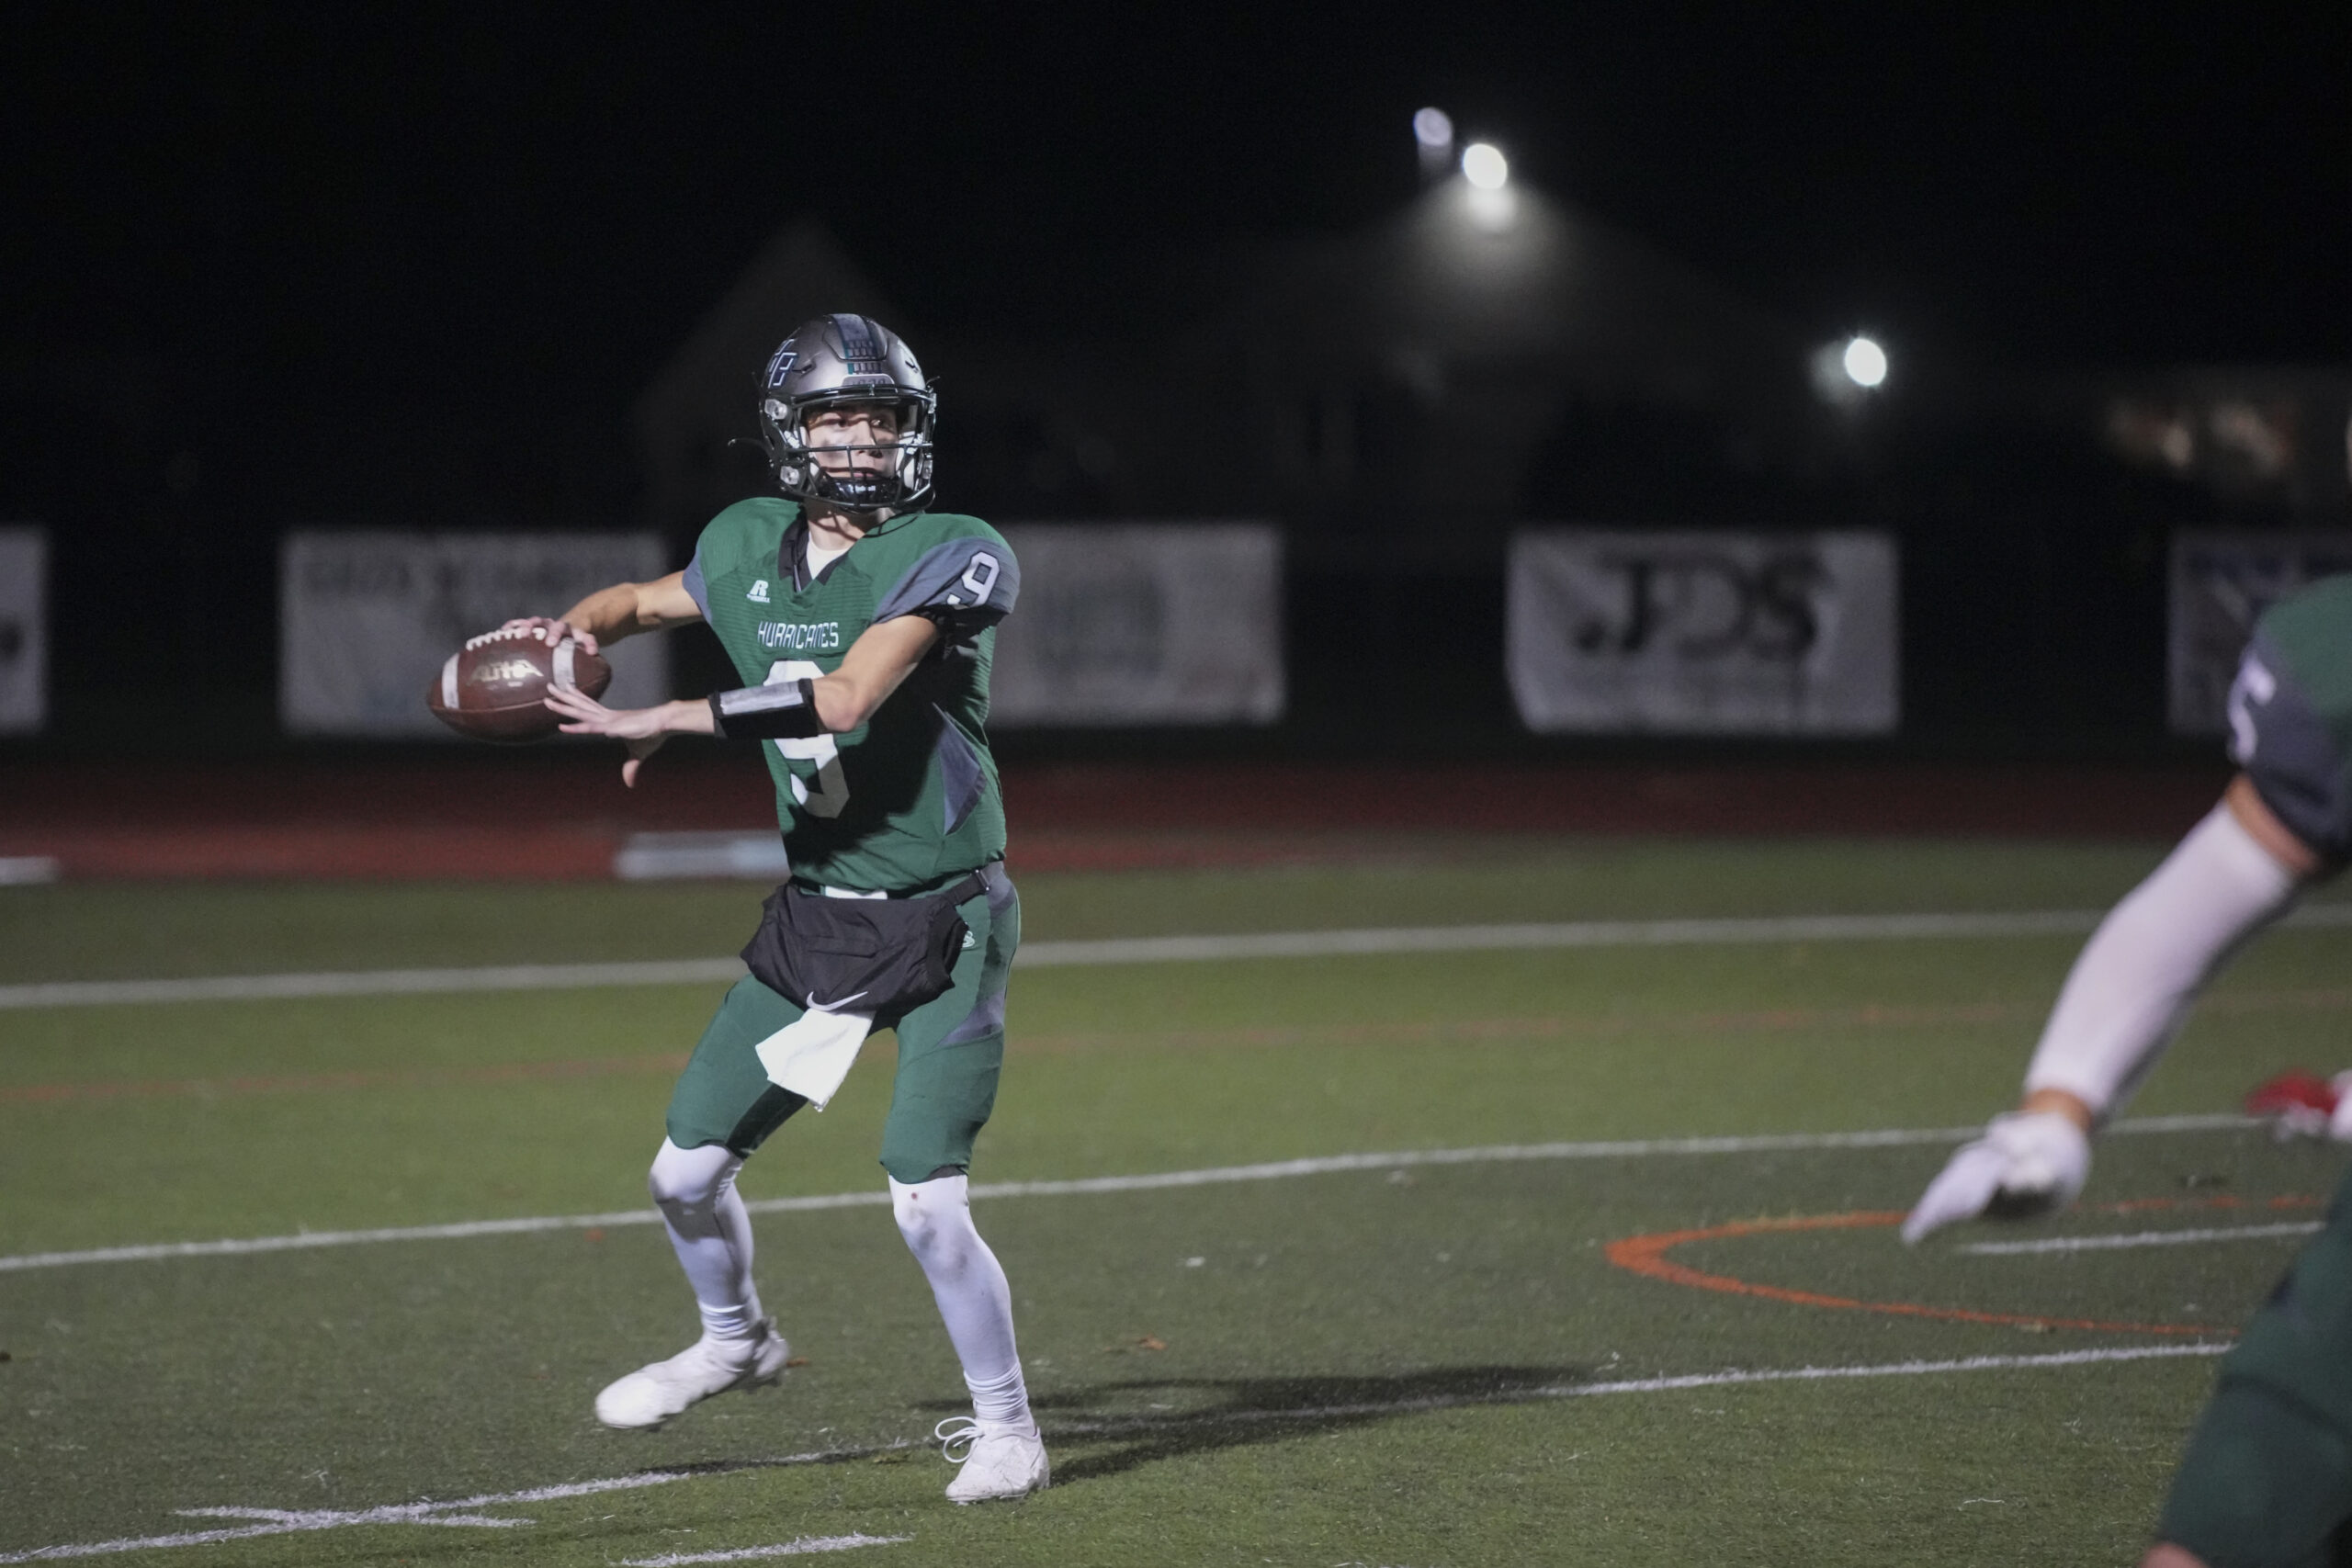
pixel 2139 1238
pixel 464 1511
pixel 1118 950
pixel 371 982
pixel 1896 1369
pixel 1275 1170
pixel 801 1546
pixel 458 1512
pixel 1668 1385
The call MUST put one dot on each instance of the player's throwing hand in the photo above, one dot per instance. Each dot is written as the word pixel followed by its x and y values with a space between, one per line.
pixel 2028 1162
pixel 644 729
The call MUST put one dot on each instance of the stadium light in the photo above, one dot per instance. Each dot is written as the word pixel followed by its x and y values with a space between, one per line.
pixel 1864 363
pixel 1434 139
pixel 1484 165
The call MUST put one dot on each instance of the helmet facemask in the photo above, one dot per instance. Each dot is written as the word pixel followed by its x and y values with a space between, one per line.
pixel 903 479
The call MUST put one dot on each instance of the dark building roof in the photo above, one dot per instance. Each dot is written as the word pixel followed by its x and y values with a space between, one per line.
pixel 1354 386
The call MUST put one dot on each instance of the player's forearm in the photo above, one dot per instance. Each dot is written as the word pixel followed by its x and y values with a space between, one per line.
pixel 878 662
pixel 2061 1102
pixel 881 658
pixel 2129 992
pixel 790 710
pixel 626 608
pixel 844 700
pixel 609 614
pixel 687 718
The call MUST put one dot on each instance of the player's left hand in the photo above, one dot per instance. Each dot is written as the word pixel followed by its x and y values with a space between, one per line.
pixel 2028 1162
pixel 643 729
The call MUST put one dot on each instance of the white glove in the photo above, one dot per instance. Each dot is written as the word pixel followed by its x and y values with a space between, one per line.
pixel 2026 1163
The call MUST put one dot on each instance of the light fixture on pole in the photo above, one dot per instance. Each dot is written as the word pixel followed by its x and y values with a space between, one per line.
pixel 1849 372
pixel 1434 137
pixel 1486 198
pixel 1864 363
pixel 1484 165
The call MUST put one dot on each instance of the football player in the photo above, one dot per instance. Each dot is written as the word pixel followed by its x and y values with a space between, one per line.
pixel 862 625
pixel 2268 1475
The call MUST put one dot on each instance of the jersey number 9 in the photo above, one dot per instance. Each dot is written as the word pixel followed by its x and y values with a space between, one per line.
pixel 827 791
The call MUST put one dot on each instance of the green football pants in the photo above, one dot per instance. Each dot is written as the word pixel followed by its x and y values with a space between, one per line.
pixel 2266 1481
pixel 951 1050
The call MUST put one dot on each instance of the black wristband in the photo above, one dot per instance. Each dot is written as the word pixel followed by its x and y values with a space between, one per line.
pixel 786 710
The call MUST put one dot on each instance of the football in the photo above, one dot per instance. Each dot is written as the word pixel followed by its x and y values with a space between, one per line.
pixel 495 687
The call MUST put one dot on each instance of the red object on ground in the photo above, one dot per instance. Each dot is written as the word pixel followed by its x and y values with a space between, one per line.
pixel 560 812
pixel 2301 1103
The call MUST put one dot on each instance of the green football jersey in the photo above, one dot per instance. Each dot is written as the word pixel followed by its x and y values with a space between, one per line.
pixel 2310 632
pixel 907 800
pixel 2290 714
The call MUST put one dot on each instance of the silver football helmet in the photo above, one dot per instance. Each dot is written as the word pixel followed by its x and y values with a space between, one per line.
pixel 847 359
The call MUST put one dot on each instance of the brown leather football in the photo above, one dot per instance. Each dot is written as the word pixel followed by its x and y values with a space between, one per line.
pixel 495 687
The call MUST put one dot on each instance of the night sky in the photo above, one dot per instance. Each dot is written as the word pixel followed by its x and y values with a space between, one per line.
pixel 330 257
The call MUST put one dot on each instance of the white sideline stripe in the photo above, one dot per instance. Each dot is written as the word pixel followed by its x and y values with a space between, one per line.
pixel 284 1522
pixel 1897 1369
pixel 370 982
pixel 1117 950
pixel 458 1512
pixel 2140 1238
pixel 1276 1170
pixel 1646 1385
pixel 800 1547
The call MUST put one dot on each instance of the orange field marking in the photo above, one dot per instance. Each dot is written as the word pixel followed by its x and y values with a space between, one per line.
pixel 1647 1254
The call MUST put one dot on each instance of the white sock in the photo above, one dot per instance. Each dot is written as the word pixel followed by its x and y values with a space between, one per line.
pixel 711 1233
pixel 1003 1403
pixel 2129 993
pixel 935 1217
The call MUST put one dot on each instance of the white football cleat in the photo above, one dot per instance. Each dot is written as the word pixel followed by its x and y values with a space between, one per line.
pixel 997 1466
pixel 652 1395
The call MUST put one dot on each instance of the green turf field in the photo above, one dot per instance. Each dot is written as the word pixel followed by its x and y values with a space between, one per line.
pixel 1405 1361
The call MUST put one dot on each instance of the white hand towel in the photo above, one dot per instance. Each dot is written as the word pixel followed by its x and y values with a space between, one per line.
pixel 811 1055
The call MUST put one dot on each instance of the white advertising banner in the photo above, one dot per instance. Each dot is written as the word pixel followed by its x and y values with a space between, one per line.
pixel 367 618
pixel 24 630
pixel 1704 633
pixel 2221 582
pixel 1141 624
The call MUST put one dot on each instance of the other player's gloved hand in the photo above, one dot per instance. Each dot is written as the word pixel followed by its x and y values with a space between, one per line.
pixel 2028 1162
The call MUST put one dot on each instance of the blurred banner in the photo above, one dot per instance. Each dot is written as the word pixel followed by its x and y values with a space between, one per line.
pixel 366 617
pixel 2221 582
pixel 24 630
pixel 1704 633
pixel 1134 622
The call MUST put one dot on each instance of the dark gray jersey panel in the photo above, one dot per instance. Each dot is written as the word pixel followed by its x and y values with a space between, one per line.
pixel 966 585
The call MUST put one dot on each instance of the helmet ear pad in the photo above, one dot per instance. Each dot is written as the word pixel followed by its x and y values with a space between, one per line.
pixel 847 359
